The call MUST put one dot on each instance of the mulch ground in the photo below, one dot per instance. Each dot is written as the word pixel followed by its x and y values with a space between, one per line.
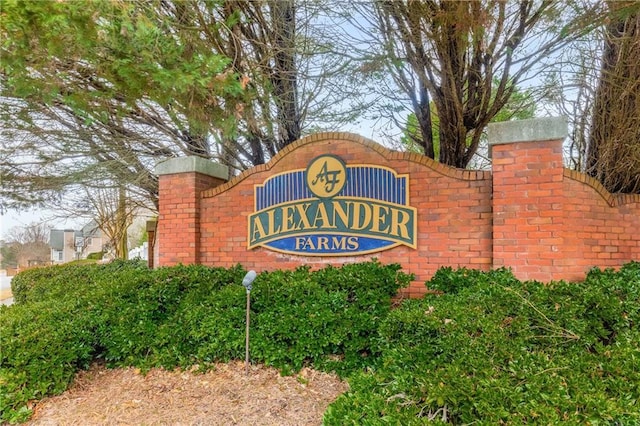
pixel 223 396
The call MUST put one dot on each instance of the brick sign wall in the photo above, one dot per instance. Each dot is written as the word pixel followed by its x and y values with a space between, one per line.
pixel 333 198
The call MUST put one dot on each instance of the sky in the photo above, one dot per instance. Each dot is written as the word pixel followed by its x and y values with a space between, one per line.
pixel 25 218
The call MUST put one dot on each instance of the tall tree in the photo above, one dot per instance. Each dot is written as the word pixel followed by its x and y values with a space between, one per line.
pixel 520 106
pixel 105 89
pixel 112 214
pixel 467 58
pixel 8 256
pixel 613 156
pixel 595 83
pixel 97 90
pixel 568 90
pixel 106 206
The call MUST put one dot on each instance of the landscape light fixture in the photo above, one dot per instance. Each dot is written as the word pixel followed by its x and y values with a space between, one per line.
pixel 246 282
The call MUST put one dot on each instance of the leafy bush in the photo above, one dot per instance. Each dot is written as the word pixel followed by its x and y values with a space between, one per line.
pixel 95 255
pixel 122 312
pixel 328 318
pixel 138 309
pixel 43 344
pixel 494 350
pixel 490 349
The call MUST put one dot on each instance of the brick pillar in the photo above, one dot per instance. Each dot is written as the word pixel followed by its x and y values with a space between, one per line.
pixel 181 181
pixel 528 196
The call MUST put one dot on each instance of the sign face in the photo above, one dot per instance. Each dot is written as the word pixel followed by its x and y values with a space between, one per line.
pixel 333 209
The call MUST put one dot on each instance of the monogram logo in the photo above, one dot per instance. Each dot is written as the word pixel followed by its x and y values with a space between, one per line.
pixel 326 176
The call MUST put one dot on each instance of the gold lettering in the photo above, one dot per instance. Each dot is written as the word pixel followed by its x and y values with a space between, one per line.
pixel 380 214
pixel 361 216
pixel 323 217
pixel 323 243
pixel 340 211
pixel 258 229
pixel 339 243
pixel 272 223
pixel 304 219
pixel 287 219
pixel 300 242
pixel 309 243
pixel 399 222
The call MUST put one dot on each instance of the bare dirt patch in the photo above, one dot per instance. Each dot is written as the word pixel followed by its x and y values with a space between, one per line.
pixel 224 396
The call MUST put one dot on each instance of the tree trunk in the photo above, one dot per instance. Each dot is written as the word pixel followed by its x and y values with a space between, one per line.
pixel 284 74
pixel 613 155
pixel 122 251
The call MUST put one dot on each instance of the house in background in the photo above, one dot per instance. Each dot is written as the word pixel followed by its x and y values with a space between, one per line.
pixel 68 244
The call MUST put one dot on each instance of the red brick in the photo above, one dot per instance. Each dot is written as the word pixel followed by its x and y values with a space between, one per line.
pixel 544 222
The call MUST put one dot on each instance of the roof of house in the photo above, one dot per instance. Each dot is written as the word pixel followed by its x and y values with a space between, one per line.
pixel 91 229
pixel 56 238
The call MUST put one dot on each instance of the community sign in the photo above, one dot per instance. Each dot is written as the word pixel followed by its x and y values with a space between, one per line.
pixel 333 209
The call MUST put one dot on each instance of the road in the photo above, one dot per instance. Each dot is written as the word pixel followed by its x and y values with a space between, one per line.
pixel 5 284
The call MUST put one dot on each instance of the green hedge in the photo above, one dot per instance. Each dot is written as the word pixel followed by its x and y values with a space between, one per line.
pixel 67 316
pixel 489 350
pixel 494 350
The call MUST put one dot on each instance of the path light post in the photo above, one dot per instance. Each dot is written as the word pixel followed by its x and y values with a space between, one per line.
pixel 246 282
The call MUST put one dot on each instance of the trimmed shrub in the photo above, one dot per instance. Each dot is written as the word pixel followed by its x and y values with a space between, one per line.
pixel 43 344
pixel 127 315
pixel 489 350
pixel 328 318
pixel 494 350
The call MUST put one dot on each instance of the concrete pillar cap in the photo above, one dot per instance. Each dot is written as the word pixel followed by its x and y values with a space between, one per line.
pixel 533 130
pixel 192 164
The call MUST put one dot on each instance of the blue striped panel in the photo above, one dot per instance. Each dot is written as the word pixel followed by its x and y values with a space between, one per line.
pixel 282 189
pixel 362 181
pixel 376 183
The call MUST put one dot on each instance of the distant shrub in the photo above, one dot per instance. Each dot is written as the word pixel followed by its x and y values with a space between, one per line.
pixel 95 255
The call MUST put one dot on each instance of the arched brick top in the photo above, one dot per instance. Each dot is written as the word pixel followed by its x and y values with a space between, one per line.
pixel 528 214
pixel 613 200
pixel 351 137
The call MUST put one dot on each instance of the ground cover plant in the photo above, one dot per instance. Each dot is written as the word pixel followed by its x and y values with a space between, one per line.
pixel 488 349
pixel 65 317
